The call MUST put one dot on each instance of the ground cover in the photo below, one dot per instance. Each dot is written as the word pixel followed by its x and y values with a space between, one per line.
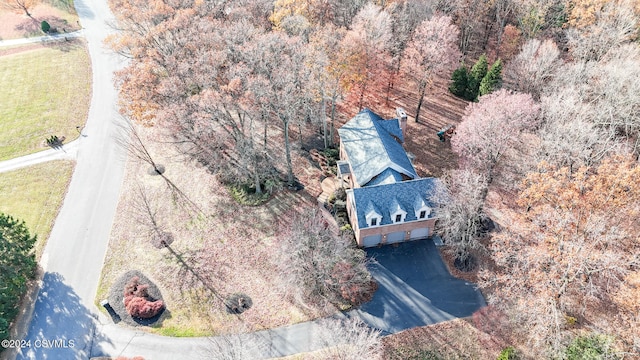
pixel 35 194
pixel 456 339
pixel 44 91
pixel 60 14
pixel 219 248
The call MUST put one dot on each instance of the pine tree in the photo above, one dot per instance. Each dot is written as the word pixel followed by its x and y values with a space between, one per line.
pixel 493 79
pixel 18 264
pixel 459 81
pixel 478 72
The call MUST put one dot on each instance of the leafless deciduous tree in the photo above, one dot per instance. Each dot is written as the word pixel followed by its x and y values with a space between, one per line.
pixel 492 126
pixel 239 346
pixel 615 25
pixel 603 93
pixel 322 265
pixel 534 67
pixel 348 339
pixel 574 239
pixel 460 199
pixel 369 39
pixel 431 52
pixel 18 5
pixel 329 62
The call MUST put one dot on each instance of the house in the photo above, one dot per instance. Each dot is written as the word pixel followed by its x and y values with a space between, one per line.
pixel 387 201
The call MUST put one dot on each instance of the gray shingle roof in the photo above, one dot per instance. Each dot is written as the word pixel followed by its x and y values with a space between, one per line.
pixel 371 147
pixel 388 176
pixel 383 198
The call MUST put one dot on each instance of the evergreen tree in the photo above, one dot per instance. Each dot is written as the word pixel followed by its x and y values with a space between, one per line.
pixel 493 79
pixel 459 81
pixel 478 72
pixel 18 264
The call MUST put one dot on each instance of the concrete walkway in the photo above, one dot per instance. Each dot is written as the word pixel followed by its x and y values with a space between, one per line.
pixel 41 39
pixel 65 152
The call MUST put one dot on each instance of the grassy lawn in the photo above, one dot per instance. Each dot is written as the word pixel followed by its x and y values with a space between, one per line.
pixel 34 194
pixel 44 91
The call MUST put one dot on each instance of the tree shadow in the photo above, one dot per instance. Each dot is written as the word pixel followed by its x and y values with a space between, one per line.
pixel 63 44
pixel 62 327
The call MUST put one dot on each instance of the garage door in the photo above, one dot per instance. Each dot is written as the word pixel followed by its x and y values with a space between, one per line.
pixel 371 240
pixel 395 237
pixel 419 233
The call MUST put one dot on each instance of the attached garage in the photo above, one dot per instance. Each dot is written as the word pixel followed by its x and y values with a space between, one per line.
pixel 371 240
pixel 395 237
pixel 421 233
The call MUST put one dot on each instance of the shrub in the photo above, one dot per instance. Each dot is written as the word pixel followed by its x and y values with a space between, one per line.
pixel 136 300
pixel 45 26
pixel 354 283
pixel 246 195
pixel 508 353
pixel 591 347
pixel 134 288
pixel 140 307
pixel 340 194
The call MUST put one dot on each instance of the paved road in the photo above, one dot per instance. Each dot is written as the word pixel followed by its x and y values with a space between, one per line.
pixel 74 254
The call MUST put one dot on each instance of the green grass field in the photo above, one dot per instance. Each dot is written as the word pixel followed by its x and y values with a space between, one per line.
pixel 34 194
pixel 44 91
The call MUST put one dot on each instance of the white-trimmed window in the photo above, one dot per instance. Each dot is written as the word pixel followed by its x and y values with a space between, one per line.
pixel 373 218
pixel 398 216
pixel 423 212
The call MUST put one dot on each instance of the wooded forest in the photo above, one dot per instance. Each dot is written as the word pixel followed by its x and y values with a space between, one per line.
pixel 548 146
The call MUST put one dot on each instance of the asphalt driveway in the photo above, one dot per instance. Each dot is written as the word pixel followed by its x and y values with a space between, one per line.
pixel 415 289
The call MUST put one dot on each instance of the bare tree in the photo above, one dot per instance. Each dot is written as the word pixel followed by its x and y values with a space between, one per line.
pixel 19 5
pixel 369 40
pixel 238 346
pixel 615 25
pixel 329 62
pixel 431 52
pixel 492 126
pixel 573 239
pixel 348 339
pixel 534 67
pixel 460 201
pixel 322 265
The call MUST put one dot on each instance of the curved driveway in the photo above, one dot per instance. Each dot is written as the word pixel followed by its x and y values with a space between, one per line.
pixel 66 324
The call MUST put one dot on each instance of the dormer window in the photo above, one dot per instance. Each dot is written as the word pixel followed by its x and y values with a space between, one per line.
pixel 398 217
pixel 374 221
pixel 423 214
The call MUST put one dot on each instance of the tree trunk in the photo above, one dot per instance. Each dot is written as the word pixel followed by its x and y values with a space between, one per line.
pixel 333 119
pixel 265 132
pixel 422 90
pixel 287 149
pixel 256 181
pixel 323 117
